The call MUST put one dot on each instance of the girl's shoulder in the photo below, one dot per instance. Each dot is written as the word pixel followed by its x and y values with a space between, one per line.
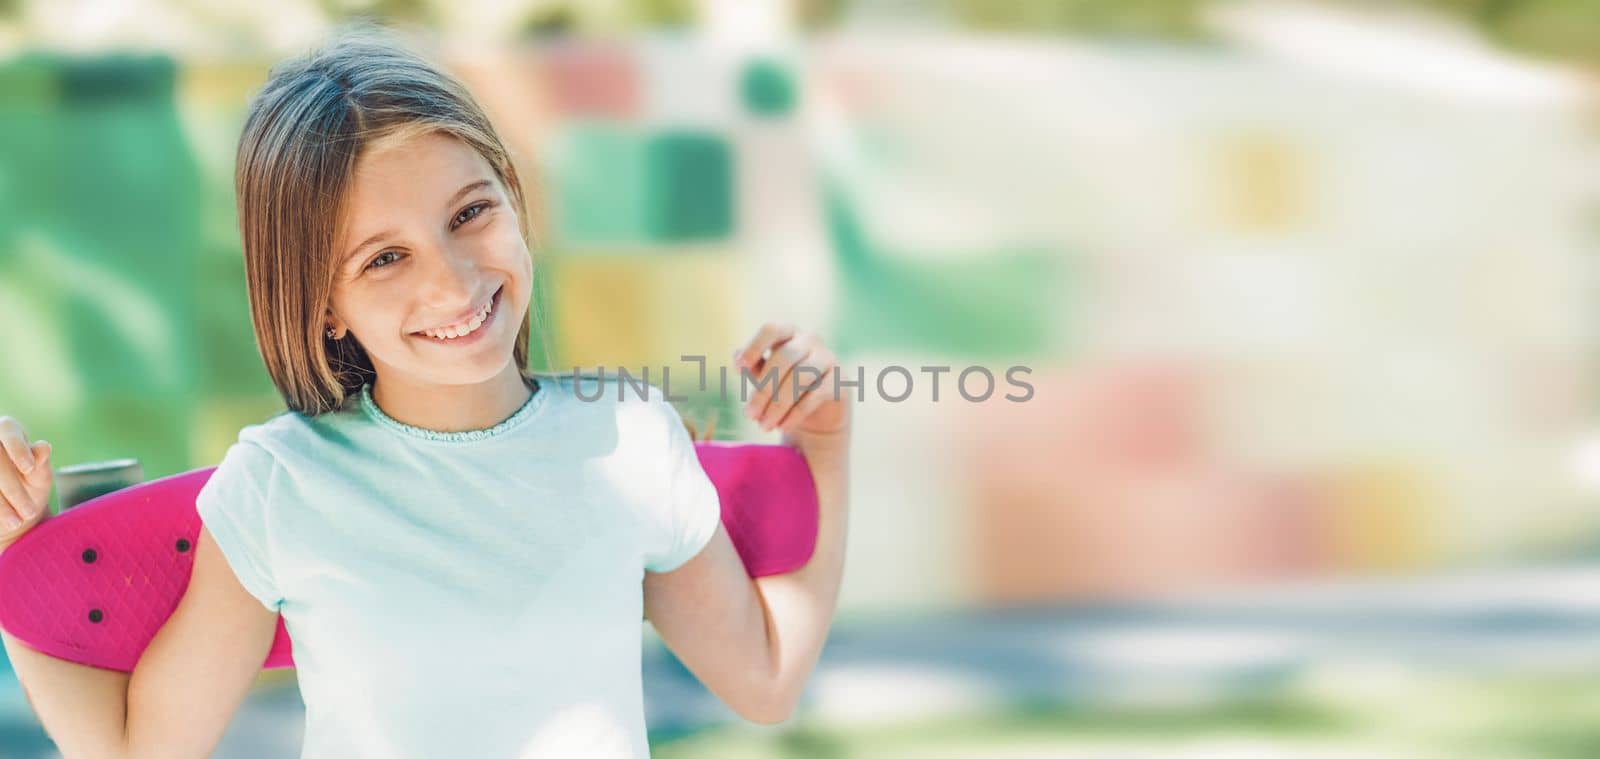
pixel 290 435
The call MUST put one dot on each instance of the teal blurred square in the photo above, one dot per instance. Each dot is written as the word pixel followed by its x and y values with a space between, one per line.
pixel 619 185
pixel 690 192
pixel 982 305
pixel 597 185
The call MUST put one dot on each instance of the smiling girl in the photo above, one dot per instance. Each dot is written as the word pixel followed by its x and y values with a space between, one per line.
pixel 460 548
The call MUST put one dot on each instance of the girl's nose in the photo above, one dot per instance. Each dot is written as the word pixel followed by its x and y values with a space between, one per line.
pixel 452 283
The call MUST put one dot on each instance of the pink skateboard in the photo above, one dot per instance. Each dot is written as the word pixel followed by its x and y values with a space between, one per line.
pixel 93 584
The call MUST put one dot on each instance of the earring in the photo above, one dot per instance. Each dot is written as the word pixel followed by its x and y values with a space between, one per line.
pixel 333 334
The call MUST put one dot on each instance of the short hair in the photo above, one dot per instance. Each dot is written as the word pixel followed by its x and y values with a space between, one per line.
pixel 304 132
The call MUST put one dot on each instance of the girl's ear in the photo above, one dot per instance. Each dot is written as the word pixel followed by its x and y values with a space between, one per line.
pixel 332 327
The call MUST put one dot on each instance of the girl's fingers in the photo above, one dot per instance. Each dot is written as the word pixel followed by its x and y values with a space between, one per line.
pixel 775 374
pixel 758 368
pixel 15 441
pixel 769 335
pixel 796 384
pixel 807 404
pixel 39 480
pixel 18 505
pixel 783 393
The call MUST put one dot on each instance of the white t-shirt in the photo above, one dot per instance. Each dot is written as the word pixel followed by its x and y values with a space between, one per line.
pixel 472 594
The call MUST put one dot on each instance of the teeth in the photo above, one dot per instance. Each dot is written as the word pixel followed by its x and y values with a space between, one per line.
pixel 465 328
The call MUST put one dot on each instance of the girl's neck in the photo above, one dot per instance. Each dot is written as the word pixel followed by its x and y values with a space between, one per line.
pixel 453 408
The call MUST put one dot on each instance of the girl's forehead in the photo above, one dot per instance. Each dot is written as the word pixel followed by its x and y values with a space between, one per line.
pixel 397 180
pixel 401 179
pixel 412 153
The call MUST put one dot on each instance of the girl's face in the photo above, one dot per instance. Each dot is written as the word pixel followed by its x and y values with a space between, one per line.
pixel 430 245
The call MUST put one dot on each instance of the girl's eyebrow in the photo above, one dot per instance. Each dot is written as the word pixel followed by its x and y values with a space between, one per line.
pixel 470 188
pixel 475 186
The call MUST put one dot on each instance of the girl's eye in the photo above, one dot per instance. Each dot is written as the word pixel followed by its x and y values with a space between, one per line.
pixel 471 212
pixel 374 263
pixel 467 214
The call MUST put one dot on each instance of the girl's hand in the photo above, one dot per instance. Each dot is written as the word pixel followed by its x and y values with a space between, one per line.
pixel 25 479
pixel 802 402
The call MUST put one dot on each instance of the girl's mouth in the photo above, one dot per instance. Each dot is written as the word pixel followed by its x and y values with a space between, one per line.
pixel 470 332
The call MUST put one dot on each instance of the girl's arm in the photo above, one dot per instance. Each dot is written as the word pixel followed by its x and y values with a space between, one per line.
pixel 182 693
pixel 755 642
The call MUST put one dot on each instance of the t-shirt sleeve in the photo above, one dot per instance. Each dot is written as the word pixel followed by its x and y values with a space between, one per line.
pixel 233 506
pixel 691 510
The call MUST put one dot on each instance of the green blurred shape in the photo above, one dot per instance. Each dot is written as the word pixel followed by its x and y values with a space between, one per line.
pixel 981 305
pixel 616 185
pixel 95 151
pixel 598 184
pixel 29 92
pixel 767 88
pixel 689 191
pixel 212 95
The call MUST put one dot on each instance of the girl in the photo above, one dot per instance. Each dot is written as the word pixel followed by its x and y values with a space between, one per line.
pixel 460 548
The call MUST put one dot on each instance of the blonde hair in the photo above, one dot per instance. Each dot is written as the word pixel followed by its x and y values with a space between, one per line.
pixel 305 130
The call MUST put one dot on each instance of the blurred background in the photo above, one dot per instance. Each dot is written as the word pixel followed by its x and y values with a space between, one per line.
pixel 1305 290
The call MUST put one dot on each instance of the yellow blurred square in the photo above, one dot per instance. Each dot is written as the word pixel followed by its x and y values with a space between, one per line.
pixel 648 309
